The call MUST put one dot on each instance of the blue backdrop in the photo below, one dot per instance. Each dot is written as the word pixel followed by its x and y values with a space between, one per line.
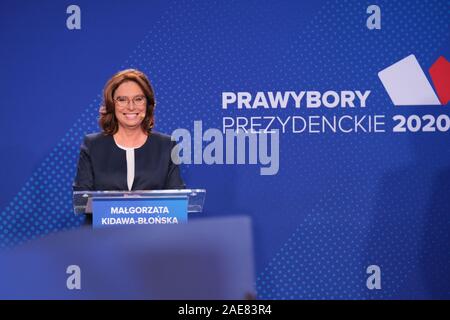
pixel 339 202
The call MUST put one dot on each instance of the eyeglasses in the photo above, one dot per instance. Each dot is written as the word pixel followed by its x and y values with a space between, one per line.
pixel 123 101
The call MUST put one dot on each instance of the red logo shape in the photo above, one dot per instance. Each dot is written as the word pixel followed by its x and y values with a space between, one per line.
pixel 440 75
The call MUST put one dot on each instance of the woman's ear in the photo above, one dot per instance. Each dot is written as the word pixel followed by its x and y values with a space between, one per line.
pixel 102 109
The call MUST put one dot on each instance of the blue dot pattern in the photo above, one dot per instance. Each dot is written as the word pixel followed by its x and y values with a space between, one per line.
pixel 340 202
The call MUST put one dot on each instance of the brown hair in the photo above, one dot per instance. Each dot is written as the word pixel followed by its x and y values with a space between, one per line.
pixel 108 121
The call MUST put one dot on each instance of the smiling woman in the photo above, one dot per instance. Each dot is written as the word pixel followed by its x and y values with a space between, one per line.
pixel 127 154
pixel 128 96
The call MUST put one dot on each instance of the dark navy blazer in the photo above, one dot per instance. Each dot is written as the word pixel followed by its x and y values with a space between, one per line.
pixel 102 165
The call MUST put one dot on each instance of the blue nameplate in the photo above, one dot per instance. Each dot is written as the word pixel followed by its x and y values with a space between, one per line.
pixel 138 211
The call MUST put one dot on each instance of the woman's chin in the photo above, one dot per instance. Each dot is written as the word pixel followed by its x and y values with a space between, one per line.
pixel 131 124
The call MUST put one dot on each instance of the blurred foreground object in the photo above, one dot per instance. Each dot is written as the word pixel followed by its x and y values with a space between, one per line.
pixel 204 259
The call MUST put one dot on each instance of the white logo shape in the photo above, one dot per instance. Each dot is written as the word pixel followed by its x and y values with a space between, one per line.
pixel 407 85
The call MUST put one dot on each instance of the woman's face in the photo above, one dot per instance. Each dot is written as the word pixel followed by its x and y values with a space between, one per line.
pixel 130 105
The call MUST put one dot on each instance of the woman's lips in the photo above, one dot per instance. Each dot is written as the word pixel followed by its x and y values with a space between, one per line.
pixel 131 116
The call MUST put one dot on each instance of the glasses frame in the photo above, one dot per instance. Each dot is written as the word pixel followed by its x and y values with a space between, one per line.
pixel 130 100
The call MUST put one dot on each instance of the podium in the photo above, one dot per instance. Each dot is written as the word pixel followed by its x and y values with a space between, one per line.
pixel 139 207
pixel 209 258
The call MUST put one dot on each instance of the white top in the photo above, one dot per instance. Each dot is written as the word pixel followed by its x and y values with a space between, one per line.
pixel 130 165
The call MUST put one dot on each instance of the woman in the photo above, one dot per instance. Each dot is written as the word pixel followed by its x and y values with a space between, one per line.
pixel 127 154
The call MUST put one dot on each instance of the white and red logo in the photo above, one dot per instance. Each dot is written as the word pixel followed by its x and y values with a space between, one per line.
pixel 407 84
